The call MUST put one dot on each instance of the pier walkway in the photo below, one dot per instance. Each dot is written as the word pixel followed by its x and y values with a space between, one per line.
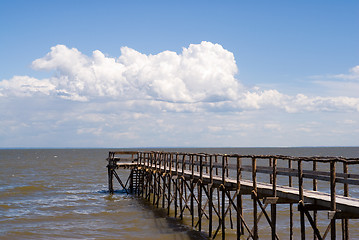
pixel 210 190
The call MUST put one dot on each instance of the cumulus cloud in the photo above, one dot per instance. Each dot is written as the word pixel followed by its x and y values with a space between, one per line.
pixel 24 86
pixel 202 72
pixel 260 99
pixel 202 77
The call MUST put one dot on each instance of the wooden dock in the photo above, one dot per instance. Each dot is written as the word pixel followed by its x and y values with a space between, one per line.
pixel 209 189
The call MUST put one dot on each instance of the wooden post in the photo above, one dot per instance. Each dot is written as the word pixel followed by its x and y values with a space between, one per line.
pixel 154 187
pixel 210 205
pixel 206 162
pixel 200 192
pixel 227 168
pixel 290 205
pixel 159 176
pixel 155 179
pixel 148 176
pixel 223 197
pixel 110 179
pixel 181 180
pixel 332 197
pixel 140 169
pixel 139 158
pixel 254 180
pixel 274 206
pixel 144 176
pixel 239 200
pixel 301 198
pixel 169 174
pixel 270 162
pixel 192 188
pixel 346 194
pixel 180 198
pixel 163 176
pixel 131 181
pixel 315 189
pixel 176 184
pixel 219 206
pixel 110 172
pixel 169 194
pixel 149 184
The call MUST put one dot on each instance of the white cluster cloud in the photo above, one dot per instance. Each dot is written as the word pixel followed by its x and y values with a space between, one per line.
pixel 202 76
pixel 24 86
pixel 202 72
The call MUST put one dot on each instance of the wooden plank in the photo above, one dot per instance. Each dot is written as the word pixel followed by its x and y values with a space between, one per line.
pixel 126 164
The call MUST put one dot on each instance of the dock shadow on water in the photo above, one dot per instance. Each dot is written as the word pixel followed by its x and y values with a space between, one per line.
pixel 153 221
pixel 176 224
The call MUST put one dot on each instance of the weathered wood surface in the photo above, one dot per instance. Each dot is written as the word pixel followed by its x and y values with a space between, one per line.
pixel 345 204
pixel 189 180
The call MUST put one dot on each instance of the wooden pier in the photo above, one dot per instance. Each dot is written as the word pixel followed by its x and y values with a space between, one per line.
pixel 211 192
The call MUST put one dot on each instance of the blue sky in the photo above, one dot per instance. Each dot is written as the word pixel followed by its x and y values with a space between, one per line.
pixel 179 73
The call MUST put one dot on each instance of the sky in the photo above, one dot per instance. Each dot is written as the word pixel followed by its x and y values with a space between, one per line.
pixel 179 73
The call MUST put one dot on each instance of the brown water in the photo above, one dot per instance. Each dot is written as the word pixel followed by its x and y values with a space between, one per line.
pixel 62 194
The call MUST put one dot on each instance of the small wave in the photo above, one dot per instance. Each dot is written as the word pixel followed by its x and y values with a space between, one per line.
pixel 23 190
pixel 122 191
pixel 30 188
pixel 5 206
pixel 103 191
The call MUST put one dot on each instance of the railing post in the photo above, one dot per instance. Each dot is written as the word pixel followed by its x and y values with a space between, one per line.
pixel 255 216
pixel 183 163
pixel 181 181
pixel 210 200
pixel 346 194
pixel 224 158
pixel 200 192
pixel 332 197
pixel 315 188
pixel 290 183
pixel 163 176
pixel 192 188
pixel 143 155
pixel 176 184
pixel 154 173
pixel 301 198
pixel 169 185
pixel 274 206
pixel 139 158
pixel 239 200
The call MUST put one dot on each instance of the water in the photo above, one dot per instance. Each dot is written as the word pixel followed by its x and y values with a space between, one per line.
pixel 62 194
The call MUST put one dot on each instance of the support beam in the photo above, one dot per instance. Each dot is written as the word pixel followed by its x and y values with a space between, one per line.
pixel 301 208
pixel 342 215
